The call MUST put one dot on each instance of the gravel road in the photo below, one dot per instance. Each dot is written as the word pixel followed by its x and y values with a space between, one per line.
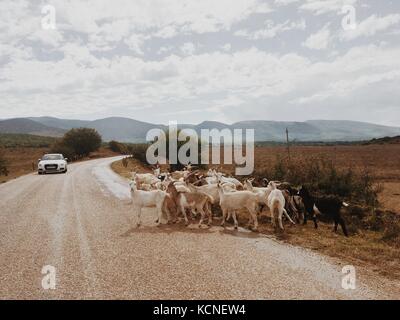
pixel 79 223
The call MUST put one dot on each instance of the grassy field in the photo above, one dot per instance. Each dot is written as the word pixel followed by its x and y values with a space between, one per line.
pixel 22 151
pixel 365 247
pixel 382 162
pixel 9 140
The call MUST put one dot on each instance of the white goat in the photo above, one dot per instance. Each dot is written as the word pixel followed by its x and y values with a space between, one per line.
pixel 147 199
pixel 233 201
pixel 214 177
pixel 193 201
pixel 147 178
pixel 235 181
pixel 276 202
pixel 262 193
pixel 212 189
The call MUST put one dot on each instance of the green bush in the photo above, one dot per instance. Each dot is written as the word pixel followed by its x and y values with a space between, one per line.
pixel 118 147
pixel 78 143
pixel 60 147
pixel 138 151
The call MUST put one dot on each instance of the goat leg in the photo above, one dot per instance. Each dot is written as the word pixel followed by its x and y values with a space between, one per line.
pixel 343 225
pixel 235 220
pixel 223 217
pixel 315 221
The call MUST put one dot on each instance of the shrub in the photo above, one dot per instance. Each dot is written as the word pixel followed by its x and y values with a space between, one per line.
pixel 138 151
pixel 391 227
pixel 78 143
pixel 179 165
pixel 117 146
pixel 321 175
pixel 3 165
pixel 125 162
pixel 60 147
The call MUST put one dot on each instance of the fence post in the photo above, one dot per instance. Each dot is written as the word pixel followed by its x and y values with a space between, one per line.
pixel 287 143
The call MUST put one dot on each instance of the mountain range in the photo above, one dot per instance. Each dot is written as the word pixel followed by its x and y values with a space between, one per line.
pixel 130 130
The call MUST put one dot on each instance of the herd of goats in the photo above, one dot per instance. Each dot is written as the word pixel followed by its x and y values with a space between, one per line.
pixel 187 190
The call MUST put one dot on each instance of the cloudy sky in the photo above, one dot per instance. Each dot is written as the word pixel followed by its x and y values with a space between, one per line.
pixel 191 60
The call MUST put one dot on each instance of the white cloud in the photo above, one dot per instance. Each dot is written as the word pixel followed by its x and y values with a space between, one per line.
pixel 285 2
pixel 372 25
pixel 178 57
pixel 319 7
pixel 271 30
pixel 188 48
pixel 319 40
pixel 226 47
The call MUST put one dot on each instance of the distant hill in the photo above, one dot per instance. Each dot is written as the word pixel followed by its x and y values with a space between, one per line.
pixel 66 124
pixel 113 128
pixel 130 130
pixel 352 130
pixel 123 129
pixel 27 126
pixel 385 140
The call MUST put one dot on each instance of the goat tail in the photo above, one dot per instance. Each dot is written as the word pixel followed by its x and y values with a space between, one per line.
pixel 345 204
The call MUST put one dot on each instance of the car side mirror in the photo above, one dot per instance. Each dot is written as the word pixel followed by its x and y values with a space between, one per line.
pixel 39 160
pixel 66 159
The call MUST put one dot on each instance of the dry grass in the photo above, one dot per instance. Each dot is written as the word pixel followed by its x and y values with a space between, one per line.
pixel 134 165
pixel 23 160
pixel 365 247
pixel 381 161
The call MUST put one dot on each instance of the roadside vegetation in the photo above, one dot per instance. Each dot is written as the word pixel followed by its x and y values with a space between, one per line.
pixel 9 140
pixel 19 153
pixel 3 164
pixel 78 143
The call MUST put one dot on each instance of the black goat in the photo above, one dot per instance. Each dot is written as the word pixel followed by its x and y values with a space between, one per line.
pixel 328 206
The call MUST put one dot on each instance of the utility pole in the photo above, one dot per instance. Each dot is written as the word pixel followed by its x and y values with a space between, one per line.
pixel 287 143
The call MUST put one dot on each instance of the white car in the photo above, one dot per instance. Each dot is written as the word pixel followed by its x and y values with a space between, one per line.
pixel 52 163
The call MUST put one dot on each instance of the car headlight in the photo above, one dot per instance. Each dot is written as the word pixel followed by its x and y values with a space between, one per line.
pixel 40 165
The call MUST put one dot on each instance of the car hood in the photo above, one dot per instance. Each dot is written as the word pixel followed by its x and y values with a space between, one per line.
pixel 44 162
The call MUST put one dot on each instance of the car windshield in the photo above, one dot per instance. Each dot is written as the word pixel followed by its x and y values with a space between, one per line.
pixel 53 157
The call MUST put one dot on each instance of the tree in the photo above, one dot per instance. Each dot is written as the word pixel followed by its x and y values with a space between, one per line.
pixel 179 165
pixel 82 141
pixel 117 146
pixel 60 147
pixel 3 165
